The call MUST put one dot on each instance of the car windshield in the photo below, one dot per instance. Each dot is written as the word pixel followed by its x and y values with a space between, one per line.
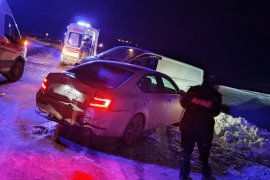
pixel 120 54
pixel 103 74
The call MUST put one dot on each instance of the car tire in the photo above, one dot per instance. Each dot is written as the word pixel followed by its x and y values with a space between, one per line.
pixel 16 72
pixel 133 130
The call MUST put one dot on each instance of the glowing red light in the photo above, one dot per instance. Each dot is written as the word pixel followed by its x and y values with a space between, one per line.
pixel 44 85
pixel 100 102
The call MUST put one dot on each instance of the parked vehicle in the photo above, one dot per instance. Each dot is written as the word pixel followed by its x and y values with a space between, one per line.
pixel 117 99
pixel 12 45
pixel 183 74
pixel 80 41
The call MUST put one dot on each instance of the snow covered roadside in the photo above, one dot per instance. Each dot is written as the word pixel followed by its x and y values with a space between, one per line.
pixel 243 140
pixel 244 137
pixel 160 151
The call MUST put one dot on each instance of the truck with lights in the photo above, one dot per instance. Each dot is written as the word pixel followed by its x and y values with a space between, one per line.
pixel 76 36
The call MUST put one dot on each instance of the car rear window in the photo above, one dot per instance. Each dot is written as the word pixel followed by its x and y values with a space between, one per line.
pixel 109 75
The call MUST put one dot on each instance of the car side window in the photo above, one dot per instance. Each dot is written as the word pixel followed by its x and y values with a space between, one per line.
pixel 146 62
pixel 169 87
pixel 149 84
pixel 11 30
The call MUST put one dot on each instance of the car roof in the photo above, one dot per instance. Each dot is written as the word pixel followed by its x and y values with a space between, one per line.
pixel 143 51
pixel 138 49
pixel 135 48
pixel 139 70
pixel 128 66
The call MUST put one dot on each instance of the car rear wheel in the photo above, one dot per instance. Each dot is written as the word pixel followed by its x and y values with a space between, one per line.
pixel 134 130
pixel 16 72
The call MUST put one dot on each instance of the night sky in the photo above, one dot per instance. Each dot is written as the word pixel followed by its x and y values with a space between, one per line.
pixel 227 38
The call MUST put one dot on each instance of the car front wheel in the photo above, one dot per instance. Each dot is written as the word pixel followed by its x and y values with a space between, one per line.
pixel 16 72
pixel 134 130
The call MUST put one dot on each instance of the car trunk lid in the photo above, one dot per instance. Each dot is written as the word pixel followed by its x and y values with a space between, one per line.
pixel 66 97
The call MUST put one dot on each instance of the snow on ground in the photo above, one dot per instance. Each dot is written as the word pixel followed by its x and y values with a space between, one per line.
pixel 237 133
pixel 240 149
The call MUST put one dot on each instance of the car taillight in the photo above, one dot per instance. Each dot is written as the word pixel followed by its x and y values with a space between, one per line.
pixel 103 103
pixel 44 85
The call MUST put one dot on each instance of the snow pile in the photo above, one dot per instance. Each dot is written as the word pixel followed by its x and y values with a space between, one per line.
pixel 238 134
pixel 256 172
pixel 249 172
pixel 44 130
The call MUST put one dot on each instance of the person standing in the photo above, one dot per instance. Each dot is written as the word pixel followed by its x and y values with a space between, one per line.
pixel 202 103
pixel 86 47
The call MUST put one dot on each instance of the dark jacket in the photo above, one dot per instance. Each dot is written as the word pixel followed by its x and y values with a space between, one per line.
pixel 202 104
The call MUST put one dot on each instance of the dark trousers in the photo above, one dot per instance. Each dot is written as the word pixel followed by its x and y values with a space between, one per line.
pixel 204 143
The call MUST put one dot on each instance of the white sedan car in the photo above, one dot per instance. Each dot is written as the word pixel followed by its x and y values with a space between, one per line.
pixel 111 99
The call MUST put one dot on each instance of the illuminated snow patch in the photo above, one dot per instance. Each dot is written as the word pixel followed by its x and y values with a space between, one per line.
pixel 237 133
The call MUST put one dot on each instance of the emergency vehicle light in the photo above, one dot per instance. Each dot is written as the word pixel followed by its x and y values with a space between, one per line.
pixel 84 24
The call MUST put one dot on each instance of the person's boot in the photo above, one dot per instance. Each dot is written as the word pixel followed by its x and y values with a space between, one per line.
pixel 206 170
pixel 183 178
pixel 184 172
pixel 185 167
pixel 199 160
